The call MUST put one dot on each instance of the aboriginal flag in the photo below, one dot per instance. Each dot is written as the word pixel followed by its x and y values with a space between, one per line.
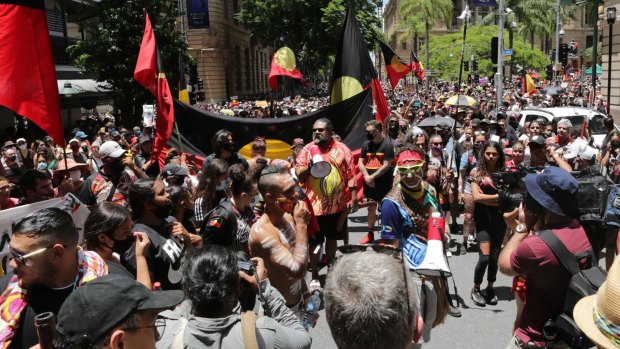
pixel 417 66
pixel 353 69
pixel 149 73
pixel 283 64
pixel 395 66
pixel 28 83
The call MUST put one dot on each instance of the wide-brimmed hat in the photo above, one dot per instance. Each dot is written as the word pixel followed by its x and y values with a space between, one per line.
pixel 598 316
pixel 553 188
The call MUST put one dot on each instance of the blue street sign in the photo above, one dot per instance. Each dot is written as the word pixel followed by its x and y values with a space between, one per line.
pixel 508 52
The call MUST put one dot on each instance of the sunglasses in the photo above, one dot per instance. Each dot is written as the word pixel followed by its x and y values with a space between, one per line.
pixel 318 130
pixel 25 258
pixel 390 251
pixel 414 169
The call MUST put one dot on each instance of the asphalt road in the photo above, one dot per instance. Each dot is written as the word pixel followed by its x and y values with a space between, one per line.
pixel 478 328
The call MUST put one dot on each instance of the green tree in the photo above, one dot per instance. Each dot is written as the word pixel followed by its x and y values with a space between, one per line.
pixel 310 28
pixel 446 52
pixel 112 49
pixel 429 12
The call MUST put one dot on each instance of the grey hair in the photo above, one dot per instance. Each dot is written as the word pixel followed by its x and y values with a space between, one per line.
pixel 367 307
pixel 413 133
pixel 565 122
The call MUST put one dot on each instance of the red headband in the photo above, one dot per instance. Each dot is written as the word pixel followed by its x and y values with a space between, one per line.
pixel 408 156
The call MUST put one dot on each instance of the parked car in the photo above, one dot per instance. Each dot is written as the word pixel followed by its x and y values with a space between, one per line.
pixel 574 114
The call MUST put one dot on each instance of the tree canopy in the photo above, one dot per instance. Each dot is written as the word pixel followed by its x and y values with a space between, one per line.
pixel 445 52
pixel 111 48
pixel 310 28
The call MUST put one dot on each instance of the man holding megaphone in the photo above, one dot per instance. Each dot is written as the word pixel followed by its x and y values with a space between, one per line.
pixel 326 172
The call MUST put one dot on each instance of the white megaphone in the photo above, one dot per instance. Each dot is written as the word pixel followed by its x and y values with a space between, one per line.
pixel 320 168
pixel 434 263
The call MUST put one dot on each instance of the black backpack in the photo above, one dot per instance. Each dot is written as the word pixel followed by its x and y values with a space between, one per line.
pixel 582 283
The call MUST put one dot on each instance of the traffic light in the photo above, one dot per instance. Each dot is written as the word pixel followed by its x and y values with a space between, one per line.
pixel 494 49
pixel 200 84
pixel 564 54
pixel 549 72
pixel 474 65
pixel 466 66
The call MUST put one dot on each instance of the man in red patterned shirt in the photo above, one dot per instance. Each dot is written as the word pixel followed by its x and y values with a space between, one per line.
pixel 329 195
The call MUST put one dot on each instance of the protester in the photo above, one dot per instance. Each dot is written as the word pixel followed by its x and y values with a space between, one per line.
pixel 175 175
pixel 150 209
pixel 375 164
pixel 223 146
pixel 25 155
pixel 113 181
pixel 329 195
pixel 229 223
pixel 6 201
pixel 212 188
pixel 182 207
pixel 107 231
pixel 211 316
pixel 12 170
pixel 550 203
pixel 144 158
pixel 47 266
pixel 280 237
pixel 259 150
pixel 376 307
pixel 490 226
pixel 113 312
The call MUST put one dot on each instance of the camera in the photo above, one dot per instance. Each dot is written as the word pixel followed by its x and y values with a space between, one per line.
pixel 246 267
pixel 510 189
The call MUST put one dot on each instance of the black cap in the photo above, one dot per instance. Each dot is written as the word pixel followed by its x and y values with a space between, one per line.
pixel 144 139
pixel 92 310
pixel 174 170
pixel 538 140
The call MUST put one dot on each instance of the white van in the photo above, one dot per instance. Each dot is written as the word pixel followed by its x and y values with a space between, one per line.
pixel 574 114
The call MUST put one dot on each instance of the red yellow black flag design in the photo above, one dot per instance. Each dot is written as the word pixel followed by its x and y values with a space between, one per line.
pixel 28 83
pixel 417 66
pixel 150 73
pixel 395 66
pixel 353 69
pixel 283 63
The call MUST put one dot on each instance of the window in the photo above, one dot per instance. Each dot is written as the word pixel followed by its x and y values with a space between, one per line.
pixel 589 41
pixel 403 45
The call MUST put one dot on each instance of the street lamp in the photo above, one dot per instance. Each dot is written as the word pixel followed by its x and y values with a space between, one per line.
pixel 68 90
pixel 611 18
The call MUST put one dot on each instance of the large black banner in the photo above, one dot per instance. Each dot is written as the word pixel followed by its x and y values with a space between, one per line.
pixel 198 126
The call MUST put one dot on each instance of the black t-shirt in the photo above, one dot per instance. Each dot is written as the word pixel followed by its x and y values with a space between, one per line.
pixel 235 158
pixel 374 155
pixel 41 300
pixel 163 256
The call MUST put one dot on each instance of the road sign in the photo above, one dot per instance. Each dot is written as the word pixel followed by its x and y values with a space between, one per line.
pixel 508 52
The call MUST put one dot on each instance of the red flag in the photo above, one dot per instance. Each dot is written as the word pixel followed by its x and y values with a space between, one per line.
pixel 28 83
pixel 283 63
pixel 417 66
pixel 149 73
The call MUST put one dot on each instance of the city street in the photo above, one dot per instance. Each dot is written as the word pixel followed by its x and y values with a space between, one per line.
pixel 479 328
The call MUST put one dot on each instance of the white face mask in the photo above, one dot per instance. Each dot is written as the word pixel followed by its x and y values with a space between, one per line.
pixel 257 199
pixel 42 166
pixel 23 146
pixel 75 175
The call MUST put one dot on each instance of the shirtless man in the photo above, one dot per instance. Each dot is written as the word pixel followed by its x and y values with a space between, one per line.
pixel 280 237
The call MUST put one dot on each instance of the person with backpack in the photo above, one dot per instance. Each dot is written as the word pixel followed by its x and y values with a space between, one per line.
pixel 211 315
pixel 550 209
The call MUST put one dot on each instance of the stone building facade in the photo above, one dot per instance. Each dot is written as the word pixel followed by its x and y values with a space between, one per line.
pixel 615 60
pixel 228 61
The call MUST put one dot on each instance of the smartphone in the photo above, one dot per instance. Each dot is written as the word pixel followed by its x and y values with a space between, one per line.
pixel 246 267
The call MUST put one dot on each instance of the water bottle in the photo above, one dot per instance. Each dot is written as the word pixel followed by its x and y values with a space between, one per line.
pixel 312 308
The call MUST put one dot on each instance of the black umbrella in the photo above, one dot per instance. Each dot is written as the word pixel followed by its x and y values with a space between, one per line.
pixel 437 121
pixel 553 90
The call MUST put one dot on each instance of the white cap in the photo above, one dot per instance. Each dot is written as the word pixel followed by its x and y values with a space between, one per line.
pixel 111 149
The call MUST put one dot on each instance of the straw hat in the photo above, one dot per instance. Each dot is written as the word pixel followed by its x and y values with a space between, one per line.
pixel 607 303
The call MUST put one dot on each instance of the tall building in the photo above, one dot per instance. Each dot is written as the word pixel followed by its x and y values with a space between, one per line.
pixel 229 62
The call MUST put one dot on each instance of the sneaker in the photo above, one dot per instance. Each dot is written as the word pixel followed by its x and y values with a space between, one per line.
pixel 454 311
pixel 489 296
pixel 462 249
pixel 448 254
pixel 477 297
pixel 471 239
pixel 368 239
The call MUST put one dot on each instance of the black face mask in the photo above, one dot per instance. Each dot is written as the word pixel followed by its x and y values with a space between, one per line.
pixel 163 211
pixel 370 135
pixel 189 214
pixel 116 166
pixel 121 246
pixel 229 146
pixel 615 144
pixel 12 158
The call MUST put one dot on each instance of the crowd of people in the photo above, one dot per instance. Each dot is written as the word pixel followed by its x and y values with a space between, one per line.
pixel 185 257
